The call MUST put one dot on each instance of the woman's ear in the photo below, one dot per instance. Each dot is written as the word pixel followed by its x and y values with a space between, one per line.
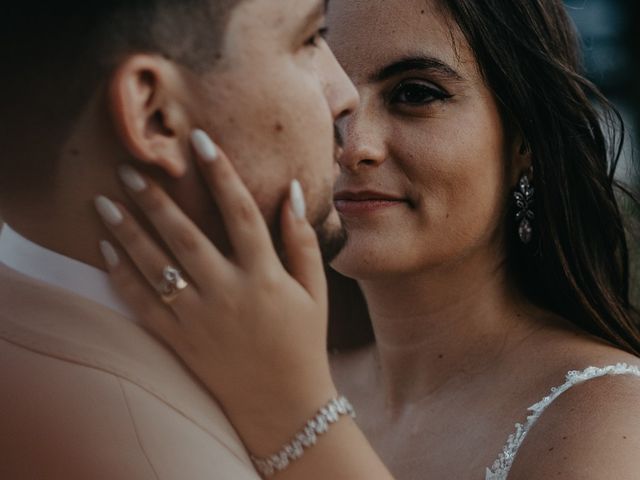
pixel 143 94
pixel 521 158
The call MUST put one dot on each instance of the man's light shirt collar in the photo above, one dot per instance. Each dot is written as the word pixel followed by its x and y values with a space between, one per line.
pixel 32 260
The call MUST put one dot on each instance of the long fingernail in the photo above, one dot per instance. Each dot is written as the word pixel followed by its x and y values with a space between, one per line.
pixel 298 204
pixel 204 146
pixel 132 179
pixel 109 253
pixel 108 211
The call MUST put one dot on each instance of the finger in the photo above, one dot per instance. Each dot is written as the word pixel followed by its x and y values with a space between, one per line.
pixel 304 260
pixel 243 220
pixel 149 259
pixel 195 252
pixel 137 294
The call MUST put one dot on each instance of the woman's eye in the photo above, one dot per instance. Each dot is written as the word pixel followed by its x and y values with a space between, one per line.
pixel 314 41
pixel 417 93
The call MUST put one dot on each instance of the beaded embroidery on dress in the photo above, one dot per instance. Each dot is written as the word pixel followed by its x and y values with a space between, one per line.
pixel 502 466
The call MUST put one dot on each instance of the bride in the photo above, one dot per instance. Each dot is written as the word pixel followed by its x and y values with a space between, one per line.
pixel 485 235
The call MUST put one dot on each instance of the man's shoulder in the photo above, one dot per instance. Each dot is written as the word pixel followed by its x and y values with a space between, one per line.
pixel 66 420
pixel 58 324
pixel 55 410
pixel 68 356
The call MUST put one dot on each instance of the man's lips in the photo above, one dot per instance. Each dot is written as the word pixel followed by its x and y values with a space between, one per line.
pixel 365 201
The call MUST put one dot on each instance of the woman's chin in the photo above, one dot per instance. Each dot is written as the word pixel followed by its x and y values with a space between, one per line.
pixel 361 263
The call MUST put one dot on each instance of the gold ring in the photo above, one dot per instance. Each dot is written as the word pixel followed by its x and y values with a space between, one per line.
pixel 172 284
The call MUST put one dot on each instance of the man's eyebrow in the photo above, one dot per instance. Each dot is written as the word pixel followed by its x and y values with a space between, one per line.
pixel 320 10
pixel 407 64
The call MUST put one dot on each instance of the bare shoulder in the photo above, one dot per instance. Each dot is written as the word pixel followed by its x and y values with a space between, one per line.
pixel 592 430
pixel 551 352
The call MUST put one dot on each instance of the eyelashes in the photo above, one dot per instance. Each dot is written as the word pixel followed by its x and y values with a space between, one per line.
pixel 416 93
pixel 316 38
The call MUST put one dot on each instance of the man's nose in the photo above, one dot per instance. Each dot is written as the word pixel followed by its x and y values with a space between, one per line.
pixel 341 93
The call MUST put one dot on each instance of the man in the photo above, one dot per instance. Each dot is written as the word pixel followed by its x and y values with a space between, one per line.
pixel 86 392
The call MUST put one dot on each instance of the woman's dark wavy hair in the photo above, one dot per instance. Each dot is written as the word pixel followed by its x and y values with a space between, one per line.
pixel 578 263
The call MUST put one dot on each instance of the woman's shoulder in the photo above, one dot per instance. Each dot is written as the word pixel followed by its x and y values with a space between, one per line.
pixel 578 367
pixel 592 430
pixel 588 420
pixel 570 347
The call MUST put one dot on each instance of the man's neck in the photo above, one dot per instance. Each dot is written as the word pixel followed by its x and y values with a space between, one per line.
pixel 63 218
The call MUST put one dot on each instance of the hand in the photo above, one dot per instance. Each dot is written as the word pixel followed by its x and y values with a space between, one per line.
pixel 251 330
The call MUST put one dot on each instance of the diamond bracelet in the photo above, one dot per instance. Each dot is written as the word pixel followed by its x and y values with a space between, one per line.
pixel 306 438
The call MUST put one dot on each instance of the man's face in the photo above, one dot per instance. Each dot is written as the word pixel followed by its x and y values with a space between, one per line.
pixel 271 103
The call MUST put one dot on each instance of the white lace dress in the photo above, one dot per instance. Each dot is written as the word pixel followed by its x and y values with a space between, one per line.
pixel 501 467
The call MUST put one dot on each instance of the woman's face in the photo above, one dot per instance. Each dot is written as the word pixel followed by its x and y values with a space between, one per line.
pixel 424 173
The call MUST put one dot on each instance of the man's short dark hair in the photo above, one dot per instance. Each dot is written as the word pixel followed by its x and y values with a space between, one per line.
pixel 56 52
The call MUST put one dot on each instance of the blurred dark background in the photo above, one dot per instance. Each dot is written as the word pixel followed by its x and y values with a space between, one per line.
pixel 610 31
pixel 610 34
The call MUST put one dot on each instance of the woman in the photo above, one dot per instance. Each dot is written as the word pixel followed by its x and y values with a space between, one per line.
pixel 486 238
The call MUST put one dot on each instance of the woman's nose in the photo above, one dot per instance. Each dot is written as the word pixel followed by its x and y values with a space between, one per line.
pixel 363 143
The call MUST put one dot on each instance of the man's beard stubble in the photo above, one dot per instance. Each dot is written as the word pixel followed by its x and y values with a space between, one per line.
pixel 331 239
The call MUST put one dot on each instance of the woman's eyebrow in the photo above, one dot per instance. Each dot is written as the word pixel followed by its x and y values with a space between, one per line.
pixel 416 63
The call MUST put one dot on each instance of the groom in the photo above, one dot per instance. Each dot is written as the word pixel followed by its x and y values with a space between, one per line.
pixel 85 392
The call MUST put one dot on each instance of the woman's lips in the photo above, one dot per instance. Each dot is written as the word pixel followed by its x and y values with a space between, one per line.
pixel 357 203
pixel 354 207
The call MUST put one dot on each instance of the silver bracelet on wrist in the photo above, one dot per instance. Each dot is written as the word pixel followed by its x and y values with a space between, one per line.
pixel 306 438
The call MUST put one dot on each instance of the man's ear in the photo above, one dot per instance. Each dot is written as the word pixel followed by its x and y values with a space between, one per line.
pixel 144 97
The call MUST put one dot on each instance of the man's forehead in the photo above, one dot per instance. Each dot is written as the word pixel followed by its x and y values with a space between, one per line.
pixel 260 21
pixel 284 12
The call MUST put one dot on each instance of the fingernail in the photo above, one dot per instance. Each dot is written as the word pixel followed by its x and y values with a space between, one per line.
pixel 132 179
pixel 298 205
pixel 204 146
pixel 109 253
pixel 108 211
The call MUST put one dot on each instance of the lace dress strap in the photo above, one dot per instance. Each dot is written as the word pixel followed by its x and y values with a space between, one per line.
pixel 502 466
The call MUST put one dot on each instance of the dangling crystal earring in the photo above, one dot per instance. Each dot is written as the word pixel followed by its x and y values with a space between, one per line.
pixel 524 202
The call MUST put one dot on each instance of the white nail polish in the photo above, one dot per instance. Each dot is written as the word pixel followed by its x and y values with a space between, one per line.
pixel 132 179
pixel 204 146
pixel 108 211
pixel 109 253
pixel 298 204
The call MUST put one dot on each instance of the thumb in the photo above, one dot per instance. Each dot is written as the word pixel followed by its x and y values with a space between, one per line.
pixel 304 260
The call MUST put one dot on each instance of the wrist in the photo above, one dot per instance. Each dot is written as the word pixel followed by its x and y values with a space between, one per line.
pixel 268 422
pixel 305 438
